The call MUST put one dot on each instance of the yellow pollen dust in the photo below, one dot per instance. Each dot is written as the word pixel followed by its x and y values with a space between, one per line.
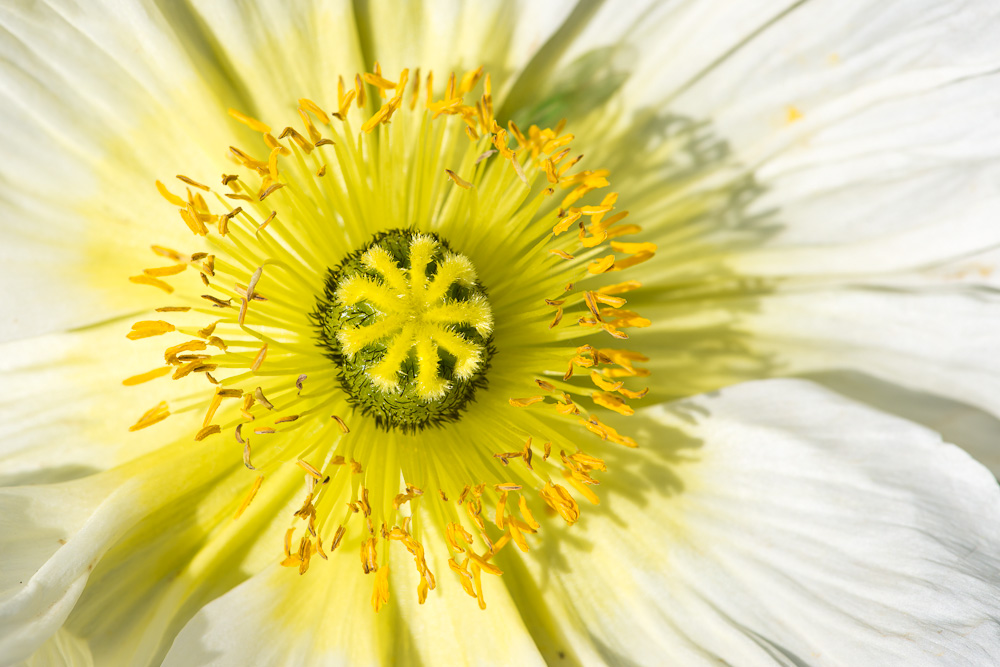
pixel 413 311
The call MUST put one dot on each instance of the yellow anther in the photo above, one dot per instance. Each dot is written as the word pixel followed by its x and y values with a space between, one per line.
pixel 152 416
pixel 558 498
pixel 407 324
pixel 612 402
pixel 250 122
pixel 152 281
pixel 169 196
pixel 146 377
pixel 525 402
pixel 601 265
pixel 149 328
pixel 249 498
pixel 459 181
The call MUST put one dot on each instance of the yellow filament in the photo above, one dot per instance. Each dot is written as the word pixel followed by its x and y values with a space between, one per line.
pixel 256 352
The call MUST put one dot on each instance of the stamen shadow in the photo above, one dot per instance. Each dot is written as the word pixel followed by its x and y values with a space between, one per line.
pixel 691 197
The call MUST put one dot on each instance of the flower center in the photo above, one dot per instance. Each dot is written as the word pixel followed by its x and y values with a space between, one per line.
pixel 415 206
pixel 408 325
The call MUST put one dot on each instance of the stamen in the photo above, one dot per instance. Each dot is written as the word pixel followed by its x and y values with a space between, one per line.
pixel 207 431
pixel 249 497
pixel 149 328
pixel 252 123
pixel 258 360
pixel 404 325
pixel 146 377
pixel 152 416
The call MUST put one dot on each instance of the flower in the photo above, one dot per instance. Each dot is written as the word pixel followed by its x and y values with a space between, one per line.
pixel 396 344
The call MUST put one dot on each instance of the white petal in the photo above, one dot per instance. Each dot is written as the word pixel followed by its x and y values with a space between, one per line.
pixel 152 541
pixel 980 268
pixel 892 163
pixel 903 183
pixel 928 355
pixel 51 543
pixel 325 617
pixel 281 51
pixel 971 428
pixel 317 625
pixel 94 106
pixel 62 648
pixel 416 34
pixel 776 522
pixel 449 35
pixel 842 150
pixel 449 628
pixel 939 342
pixel 64 412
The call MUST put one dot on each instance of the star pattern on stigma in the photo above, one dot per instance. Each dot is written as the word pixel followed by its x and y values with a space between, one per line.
pixel 409 325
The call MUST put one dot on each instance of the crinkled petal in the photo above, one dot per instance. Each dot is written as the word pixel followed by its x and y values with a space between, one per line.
pixel 973 429
pixel 65 412
pixel 325 617
pixel 916 342
pixel 875 147
pixel 776 522
pixel 122 559
pixel 97 104
pixel 843 150
pixel 278 52
pixel 50 543
pixel 940 342
pixel 275 619
pixel 446 35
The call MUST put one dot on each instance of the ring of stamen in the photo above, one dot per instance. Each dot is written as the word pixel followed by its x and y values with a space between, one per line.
pixel 265 241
